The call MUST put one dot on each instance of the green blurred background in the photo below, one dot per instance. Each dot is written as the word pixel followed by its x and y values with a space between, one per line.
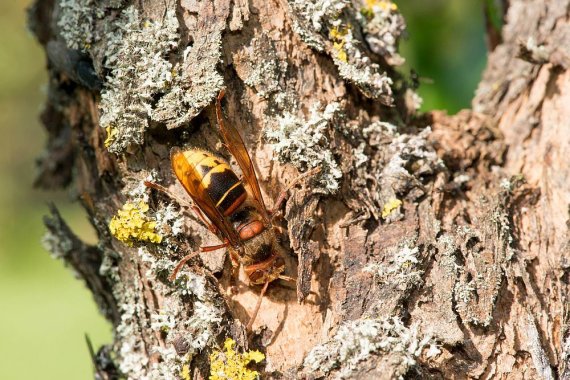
pixel 44 311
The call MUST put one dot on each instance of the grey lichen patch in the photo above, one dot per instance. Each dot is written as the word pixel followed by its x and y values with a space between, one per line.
pixel 137 57
pixel 486 246
pixel 76 22
pixel 196 326
pixel 382 26
pixel 413 100
pixel 301 140
pixel 305 144
pixel 396 167
pixel 447 247
pixel 312 18
pixel 331 26
pixel 355 66
pixel 200 328
pixel 435 309
pixel 197 82
pixel 403 270
pixel 169 221
pixel 147 83
pixel 58 244
pixel 356 341
pixel 539 356
pixel 129 346
pixel 412 157
pixel 130 349
pixel 157 265
pixel 170 365
pixel 259 66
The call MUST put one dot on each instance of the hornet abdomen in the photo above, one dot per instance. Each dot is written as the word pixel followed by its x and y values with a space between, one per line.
pixel 222 184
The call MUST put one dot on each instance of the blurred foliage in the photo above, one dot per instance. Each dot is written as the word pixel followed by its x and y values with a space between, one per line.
pixel 446 48
pixel 45 310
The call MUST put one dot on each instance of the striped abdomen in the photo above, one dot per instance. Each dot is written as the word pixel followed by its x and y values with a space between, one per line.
pixel 221 183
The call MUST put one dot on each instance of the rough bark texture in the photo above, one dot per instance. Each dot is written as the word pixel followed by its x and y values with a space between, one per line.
pixel 429 246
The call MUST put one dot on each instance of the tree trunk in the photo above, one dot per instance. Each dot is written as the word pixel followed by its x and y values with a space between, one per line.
pixel 428 246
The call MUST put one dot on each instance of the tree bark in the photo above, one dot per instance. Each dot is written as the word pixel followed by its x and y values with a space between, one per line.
pixel 428 246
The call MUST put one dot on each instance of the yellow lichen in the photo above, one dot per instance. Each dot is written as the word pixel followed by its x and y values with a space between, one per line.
pixel 390 206
pixel 231 365
pixel 376 5
pixel 382 4
pixel 111 133
pixel 185 373
pixel 338 35
pixel 131 224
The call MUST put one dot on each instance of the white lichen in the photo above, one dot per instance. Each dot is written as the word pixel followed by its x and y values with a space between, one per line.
pixel 368 79
pixel 536 348
pixel 504 232
pixel 460 179
pixel 355 66
pixel 374 130
pixel 317 13
pixel 433 350
pixel 325 25
pixel 162 322
pixel 402 270
pixel 463 292
pixel 485 247
pixel 389 167
pixel 157 265
pixel 447 247
pixel 207 314
pixel 259 67
pixel 356 341
pixel 360 156
pixel 108 268
pixel 411 158
pixel 536 52
pixel 136 189
pixel 169 367
pixel 58 246
pixel 413 100
pixel 261 77
pixel 412 148
pixel 137 57
pixel 305 144
pixel 132 358
pixel 382 26
pixel 76 22
pixel 199 329
pixel 197 82
pixel 169 221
